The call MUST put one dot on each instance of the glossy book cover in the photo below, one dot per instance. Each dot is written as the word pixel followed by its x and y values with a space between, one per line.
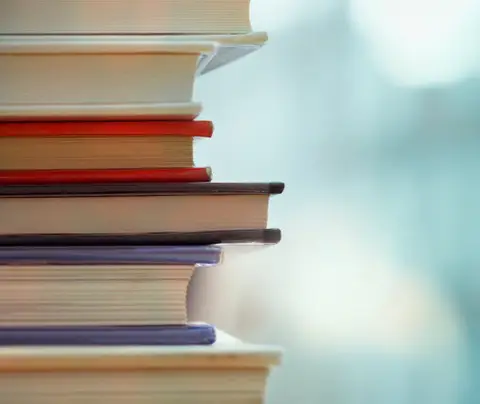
pixel 197 238
pixel 188 334
pixel 161 255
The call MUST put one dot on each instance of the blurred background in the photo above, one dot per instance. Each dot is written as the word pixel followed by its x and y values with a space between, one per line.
pixel 368 111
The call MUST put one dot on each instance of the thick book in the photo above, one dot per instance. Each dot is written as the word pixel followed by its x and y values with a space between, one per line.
pixel 126 208
pixel 120 255
pixel 106 78
pixel 65 149
pixel 60 295
pixel 199 334
pixel 250 236
pixel 229 371
pixel 108 294
pixel 48 17
pixel 229 49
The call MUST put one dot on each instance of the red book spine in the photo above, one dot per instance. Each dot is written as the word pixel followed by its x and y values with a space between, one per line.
pixel 22 177
pixel 107 128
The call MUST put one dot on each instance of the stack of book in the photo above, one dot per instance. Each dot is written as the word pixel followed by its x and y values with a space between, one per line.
pixel 103 215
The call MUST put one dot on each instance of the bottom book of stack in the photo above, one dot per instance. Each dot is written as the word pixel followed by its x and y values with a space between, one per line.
pixel 229 371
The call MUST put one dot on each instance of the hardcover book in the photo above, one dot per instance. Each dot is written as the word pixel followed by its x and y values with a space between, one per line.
pixel 126 208
pixel 74 294
pixel 91 151
pixel 124 17
pixel 229 371
pixel 98 78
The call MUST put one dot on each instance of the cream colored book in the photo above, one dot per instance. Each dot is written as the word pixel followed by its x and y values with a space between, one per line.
pixel 229 371
pixel 124 16
pixel 134 208
pixel 99 77
pixel 75 295
pixel 229 47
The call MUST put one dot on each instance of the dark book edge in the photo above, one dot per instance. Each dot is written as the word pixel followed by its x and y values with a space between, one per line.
pixel 260 236
pixel 137 188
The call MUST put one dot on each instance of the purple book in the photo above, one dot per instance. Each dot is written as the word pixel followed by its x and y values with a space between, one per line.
pixel 190 334
pixel 161 255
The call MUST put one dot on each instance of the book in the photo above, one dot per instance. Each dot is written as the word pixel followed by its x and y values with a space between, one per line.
pixel 101 151
pixel 86 286
pixel 124 17
pixel 229 47
pixel 87 295
pixel 74 78
pixel 247 236
pixel 117 255
pixel 155 335
pixel 123 208
pixel 227 371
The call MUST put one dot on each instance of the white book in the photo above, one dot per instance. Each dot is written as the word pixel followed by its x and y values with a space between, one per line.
pixel 124 16
pixel 99 78
pixel 229 371
pixel 229 47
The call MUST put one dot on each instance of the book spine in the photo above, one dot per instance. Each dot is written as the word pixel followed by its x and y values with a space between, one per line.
pixel 25 177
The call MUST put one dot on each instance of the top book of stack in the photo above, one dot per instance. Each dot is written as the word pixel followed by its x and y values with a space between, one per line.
pixel 124 17
pixel 226 22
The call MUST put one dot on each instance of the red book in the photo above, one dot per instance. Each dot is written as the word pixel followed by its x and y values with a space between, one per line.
pixel 35 177
pixel 107 128
pixel 101 151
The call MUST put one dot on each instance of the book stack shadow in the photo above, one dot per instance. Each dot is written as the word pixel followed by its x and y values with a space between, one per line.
pixel 104 216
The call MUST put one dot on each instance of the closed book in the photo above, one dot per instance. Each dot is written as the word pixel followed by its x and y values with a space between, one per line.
pixel 101 294
pixel 99 78
pixel 229 371
pixel 229 49
pixel 58 149
pixel 124 17
pixel 125 208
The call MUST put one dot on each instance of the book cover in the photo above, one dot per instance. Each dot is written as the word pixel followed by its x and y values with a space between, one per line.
pixel 257 236
pixel 94 255
pixel 154 188
pixel 189 334
pixel 133 175
pixel 106 128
